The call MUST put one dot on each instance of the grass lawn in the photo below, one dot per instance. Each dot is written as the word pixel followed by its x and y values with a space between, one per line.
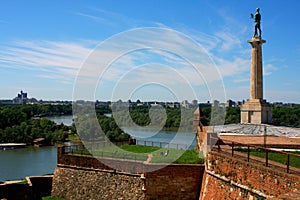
pixel 274 156
pixel 51 198
pixel 141 153
pixel 73 136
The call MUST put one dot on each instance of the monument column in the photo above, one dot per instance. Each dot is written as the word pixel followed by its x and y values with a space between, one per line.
pixel 256 110
pixel 256 78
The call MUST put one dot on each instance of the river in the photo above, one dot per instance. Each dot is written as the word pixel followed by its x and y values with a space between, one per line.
pixel 31 161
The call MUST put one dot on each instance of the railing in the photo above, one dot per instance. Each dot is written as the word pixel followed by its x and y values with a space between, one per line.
pixel 167 145
pixel 78 149
pixel 119 154
pixel 246 148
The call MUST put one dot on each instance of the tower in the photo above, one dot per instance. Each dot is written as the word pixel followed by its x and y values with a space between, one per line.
pixel 256 110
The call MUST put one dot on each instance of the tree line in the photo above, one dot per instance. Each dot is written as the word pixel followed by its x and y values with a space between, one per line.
pixel 19 123
pixel 282 115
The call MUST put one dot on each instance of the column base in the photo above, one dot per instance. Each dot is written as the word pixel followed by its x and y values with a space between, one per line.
pixel 256 111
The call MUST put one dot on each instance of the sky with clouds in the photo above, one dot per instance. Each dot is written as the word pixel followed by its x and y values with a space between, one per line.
pixel 149 50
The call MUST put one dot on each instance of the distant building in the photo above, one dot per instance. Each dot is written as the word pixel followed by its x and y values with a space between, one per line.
pixel 195 102
pixel 172 105
pixel 239 103
pixel 21 98
pixel 230 103
pixel 222 105
pixel 185 104
pixel 215 103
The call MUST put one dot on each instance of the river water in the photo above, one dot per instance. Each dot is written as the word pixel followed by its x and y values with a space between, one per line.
pixel 31 161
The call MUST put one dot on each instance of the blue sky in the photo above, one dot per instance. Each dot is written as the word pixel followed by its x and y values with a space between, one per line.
pixel 44 46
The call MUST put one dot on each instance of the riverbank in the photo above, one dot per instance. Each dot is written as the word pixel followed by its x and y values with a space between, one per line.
pixel 7 146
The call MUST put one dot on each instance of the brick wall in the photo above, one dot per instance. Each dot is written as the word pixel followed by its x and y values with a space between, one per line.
pixel 174 182
pixel 233 178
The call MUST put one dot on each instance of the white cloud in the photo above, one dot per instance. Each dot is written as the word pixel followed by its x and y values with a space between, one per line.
pixel 64 58
pixel 241 80
pixel 232 68
pixel 268 69
pixel 228 41
pixel 192 62
pixel 96 18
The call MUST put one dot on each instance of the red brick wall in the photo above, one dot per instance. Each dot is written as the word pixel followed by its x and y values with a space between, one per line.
pixel 174 182
pixel 252 175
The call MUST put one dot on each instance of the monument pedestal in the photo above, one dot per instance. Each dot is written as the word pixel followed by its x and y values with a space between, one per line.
pixel 256 112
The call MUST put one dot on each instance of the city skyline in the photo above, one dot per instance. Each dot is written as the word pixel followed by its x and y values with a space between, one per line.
pixel 44 44
pixel 23 98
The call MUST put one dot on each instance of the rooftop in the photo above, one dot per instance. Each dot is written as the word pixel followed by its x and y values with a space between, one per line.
pixel 257 129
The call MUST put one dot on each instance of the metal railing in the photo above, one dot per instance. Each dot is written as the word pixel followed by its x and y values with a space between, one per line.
pixel 167 145
pixel 217 143
pixel 81 150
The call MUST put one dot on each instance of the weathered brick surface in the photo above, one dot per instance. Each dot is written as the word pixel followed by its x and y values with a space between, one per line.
pixel 174 182
pixel 220 190
pixel 266 180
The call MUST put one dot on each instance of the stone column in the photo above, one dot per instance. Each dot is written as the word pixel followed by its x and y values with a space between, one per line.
pixel 256 110
pixel 256 77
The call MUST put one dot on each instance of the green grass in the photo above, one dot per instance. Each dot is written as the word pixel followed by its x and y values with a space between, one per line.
pixel 141 153
pixel 274 156
pixel 73 136
pixel 24 182
pixel 51 198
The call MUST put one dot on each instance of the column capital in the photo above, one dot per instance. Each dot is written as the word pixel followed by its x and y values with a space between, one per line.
pixel 256 41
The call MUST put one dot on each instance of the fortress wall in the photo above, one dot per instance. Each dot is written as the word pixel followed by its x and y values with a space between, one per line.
pixel 85 177
pixel 79 183
pixel 231 178
pixel 177 181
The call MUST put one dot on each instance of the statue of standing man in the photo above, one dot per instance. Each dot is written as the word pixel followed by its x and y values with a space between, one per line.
pixel 257 18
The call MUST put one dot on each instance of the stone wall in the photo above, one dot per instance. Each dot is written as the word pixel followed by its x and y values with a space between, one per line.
pixel 79 183
pixel 232 178
pixel 85 177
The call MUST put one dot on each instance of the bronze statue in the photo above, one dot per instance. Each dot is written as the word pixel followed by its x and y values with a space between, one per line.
pixel 257 18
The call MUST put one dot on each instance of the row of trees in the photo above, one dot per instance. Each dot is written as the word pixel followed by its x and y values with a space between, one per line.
pixel 18 125
pixel 286 115
pixel 176 117
pixel 88 128
pixel 283 115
